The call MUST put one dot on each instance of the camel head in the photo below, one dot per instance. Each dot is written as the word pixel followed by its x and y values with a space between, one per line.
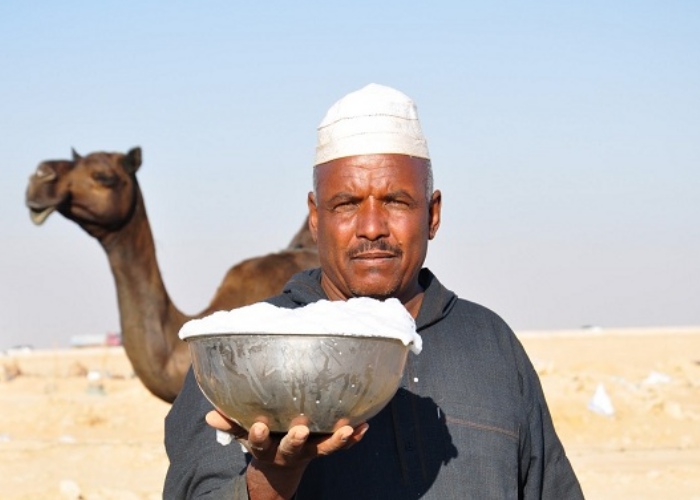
pixel 98 191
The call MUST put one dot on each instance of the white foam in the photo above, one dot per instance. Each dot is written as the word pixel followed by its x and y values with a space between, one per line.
pixel 360 316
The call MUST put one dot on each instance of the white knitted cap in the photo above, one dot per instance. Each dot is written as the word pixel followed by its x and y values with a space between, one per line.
pixel 373 120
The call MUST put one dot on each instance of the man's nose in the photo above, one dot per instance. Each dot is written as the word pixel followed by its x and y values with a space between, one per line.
pixel 372 223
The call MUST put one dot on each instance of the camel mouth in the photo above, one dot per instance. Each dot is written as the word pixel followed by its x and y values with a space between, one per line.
pixel 38 216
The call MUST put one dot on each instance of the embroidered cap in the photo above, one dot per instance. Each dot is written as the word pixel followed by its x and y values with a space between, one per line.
pixel 373 120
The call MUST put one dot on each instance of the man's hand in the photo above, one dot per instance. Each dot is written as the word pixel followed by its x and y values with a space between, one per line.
pixel 278 464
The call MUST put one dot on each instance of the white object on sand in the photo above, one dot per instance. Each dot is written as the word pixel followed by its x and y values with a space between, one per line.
pixel 655 378
pixel 601 403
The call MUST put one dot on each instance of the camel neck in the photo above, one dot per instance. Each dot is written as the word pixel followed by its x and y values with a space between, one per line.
pixel 150 322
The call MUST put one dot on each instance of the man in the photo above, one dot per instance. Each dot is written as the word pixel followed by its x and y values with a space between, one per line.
pixel 470 419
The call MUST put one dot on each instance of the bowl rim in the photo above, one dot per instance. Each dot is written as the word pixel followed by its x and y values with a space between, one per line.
pixel 288 335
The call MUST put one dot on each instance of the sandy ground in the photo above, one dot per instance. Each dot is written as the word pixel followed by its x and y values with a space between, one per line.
pixel 77 424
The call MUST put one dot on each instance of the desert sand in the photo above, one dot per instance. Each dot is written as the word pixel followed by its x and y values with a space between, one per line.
pixel 76 423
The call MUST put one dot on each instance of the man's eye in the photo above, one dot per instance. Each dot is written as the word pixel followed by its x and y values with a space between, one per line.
pixel 346 206
pixel 397 203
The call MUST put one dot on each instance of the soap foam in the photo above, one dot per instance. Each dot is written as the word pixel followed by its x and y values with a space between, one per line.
pixel 360 316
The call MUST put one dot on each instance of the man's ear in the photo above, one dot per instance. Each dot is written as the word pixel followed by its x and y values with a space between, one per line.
pixel 434 213
pixel 313 216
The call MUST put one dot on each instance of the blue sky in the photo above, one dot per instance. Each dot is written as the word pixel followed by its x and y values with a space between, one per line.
pixel 565 138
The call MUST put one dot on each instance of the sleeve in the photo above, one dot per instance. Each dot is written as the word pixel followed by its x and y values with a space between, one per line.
pixel 548 474
pixel 200 467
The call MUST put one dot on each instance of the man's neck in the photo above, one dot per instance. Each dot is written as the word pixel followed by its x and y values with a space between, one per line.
pixel 414 303
pixel 411 301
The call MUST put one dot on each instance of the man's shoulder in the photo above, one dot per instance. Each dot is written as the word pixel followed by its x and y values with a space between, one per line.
pixel 479 313
pixel 302 288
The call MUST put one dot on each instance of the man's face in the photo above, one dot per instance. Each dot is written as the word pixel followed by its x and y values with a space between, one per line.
pixel 372 223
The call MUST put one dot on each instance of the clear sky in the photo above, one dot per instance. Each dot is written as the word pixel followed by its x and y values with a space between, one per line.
pixel 565 138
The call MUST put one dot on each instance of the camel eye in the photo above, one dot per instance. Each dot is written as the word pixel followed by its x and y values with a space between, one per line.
pixel 106 179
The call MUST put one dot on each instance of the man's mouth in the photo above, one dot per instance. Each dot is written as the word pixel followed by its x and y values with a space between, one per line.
pixel 373 256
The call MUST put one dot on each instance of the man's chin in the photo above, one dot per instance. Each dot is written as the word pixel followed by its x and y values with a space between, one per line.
pixel 376 281
pixel 379 292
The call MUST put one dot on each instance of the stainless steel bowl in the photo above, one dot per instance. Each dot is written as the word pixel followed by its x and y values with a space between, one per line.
pixel 322 381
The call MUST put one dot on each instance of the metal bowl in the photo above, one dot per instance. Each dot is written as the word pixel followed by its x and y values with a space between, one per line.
pixel 322 381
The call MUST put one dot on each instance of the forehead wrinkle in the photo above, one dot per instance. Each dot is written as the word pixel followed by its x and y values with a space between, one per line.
pixel 359 173
pixel 366 186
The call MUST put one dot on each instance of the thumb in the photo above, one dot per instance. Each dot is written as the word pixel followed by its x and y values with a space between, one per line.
pixel 218 421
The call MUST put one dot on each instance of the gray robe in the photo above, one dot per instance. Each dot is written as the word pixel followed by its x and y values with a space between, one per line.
pixel 469 421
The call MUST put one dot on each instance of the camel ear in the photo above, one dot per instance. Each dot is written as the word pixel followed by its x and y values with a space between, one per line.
pixel 132 160
pixel 76 156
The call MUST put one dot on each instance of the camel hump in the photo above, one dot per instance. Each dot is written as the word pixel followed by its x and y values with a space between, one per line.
pixel 302 239
pixel 259 278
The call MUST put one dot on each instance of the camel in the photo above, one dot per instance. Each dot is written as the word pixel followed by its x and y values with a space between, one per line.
pixel 101 194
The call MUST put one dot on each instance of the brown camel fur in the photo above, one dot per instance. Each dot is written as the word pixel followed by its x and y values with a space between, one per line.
pixel 101 194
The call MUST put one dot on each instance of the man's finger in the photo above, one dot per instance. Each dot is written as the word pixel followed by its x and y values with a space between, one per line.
pixel 343 438
pixel 293 442
pixel 259 442
pixel 218 421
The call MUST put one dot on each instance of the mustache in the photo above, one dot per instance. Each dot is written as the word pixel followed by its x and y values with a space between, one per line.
pixel 373 246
